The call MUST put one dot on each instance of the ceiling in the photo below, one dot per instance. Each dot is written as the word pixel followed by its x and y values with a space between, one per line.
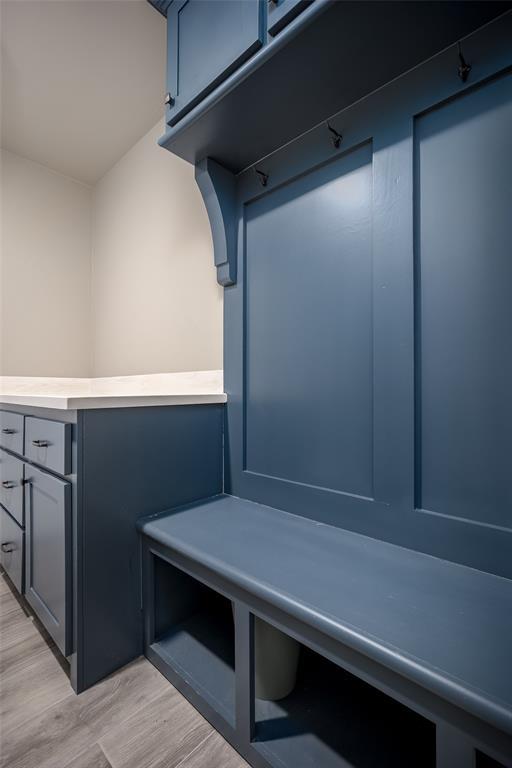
pixel 82 80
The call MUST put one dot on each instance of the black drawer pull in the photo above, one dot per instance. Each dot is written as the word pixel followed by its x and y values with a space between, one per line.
pixel 8 484
pixel 40 443
pixel 7 431
pixel 8 546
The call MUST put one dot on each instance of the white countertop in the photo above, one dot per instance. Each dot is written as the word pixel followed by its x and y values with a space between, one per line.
pixel 187 388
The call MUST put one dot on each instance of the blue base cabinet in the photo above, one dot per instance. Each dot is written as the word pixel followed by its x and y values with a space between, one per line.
pixel 70 497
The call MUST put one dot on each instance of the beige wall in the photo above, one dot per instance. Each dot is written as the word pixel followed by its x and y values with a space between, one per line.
pixel 116 279
pixel 156 304
pixel 44 271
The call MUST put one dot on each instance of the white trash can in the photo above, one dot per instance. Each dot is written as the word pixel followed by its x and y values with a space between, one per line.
pixel 276 657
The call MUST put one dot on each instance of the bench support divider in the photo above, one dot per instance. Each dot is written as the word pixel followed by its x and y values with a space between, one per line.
pixel 244 670
pixel 453 748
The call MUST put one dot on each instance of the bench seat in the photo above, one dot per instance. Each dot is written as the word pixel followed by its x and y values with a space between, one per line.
pixel 444 626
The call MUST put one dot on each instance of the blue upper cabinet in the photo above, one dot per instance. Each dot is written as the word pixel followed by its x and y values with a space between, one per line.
pixel 281 12
pixel 206 42
pixel 246 77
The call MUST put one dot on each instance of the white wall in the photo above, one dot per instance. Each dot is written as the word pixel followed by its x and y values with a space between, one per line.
pixel 116 279
pixel 44 271
pixel 156 304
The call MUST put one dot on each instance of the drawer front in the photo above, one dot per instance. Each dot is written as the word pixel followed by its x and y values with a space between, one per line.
pixel 206 42
pixel 11 485
pixel 11 431
pixel 11 549
pixel 48 443
pixel 48 553
pixel 281 12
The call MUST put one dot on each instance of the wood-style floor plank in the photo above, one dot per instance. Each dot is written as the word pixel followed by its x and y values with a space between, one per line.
pixel 120 696
pixel 30 688
pixel 8 605
pixel 214 752
pixel 53 738
pixel 27 642
pixel 15 630
pixel 4 587
pixel 133 719
pixel 93 757
pixel 159 736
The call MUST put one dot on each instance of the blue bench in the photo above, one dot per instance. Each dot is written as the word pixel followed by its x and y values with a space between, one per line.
pixel 434 635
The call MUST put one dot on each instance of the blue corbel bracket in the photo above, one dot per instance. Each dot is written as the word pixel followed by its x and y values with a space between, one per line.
pixel 161 5
pixel 218 188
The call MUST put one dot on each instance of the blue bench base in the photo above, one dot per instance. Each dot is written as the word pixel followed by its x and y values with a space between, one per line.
pixel 376 621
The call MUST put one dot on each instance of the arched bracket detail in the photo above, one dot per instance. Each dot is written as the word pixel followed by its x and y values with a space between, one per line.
pixel 218 188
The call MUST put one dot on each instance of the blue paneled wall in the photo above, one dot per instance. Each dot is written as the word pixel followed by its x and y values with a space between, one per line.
pixel 367 338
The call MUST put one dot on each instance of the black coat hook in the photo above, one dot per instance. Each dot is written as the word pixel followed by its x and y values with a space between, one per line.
pixel 464 68
pixel 263 177
pixel 337 138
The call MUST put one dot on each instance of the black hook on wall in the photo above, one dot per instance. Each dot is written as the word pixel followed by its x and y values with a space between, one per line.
pixel 337 138
pixel 263 177
pixel 464 68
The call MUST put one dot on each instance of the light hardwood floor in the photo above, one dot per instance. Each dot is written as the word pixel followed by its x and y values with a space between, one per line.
pixel 133 719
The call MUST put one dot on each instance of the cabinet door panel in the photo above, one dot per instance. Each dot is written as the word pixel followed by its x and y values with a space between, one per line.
pixel 48 541
pixel 206 42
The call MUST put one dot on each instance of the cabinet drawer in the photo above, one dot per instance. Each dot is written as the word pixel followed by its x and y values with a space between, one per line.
pixel 11 431
pixel 11 549
pixel 48 443
pixel 11 485
pixel 206 42
pixel 281 12
pixel 48 546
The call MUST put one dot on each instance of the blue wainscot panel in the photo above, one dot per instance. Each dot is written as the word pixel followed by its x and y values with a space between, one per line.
pixel 464 202
pixel 309 328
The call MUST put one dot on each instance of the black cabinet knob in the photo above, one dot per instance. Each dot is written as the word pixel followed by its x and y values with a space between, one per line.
pixel 8 546
pixel 8 484
pixel 7 431
pixel 168 101
pixel 40 443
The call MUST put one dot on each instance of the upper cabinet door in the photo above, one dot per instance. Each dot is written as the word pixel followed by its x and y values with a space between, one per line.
pixel 206 42
pixel 281 12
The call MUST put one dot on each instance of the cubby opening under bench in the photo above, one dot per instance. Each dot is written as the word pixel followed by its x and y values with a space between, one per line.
pixel 405 663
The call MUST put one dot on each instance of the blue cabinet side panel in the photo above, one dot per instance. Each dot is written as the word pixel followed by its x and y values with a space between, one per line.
pixel 464 258
pixel 136 462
